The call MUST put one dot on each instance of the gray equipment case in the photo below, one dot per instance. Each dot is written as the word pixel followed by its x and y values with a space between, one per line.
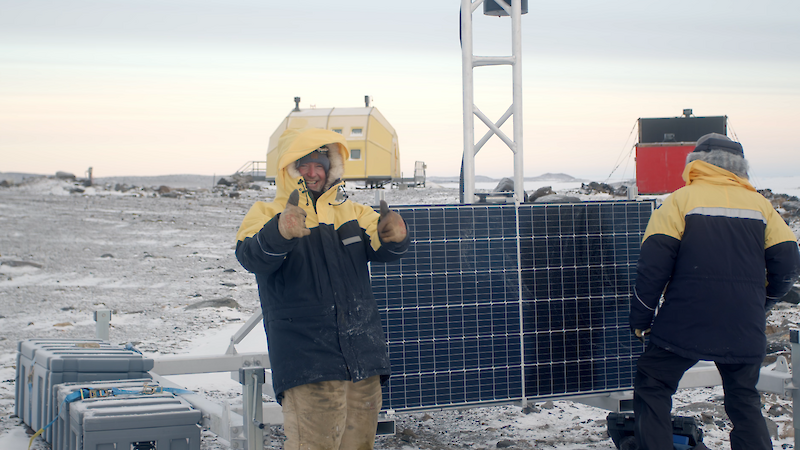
pixel 45 363
pixel 159 421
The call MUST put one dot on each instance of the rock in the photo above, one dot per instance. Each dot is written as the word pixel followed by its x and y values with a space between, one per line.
pixel 234 195
pixel 776 410
pixel 557 198
pixel 225 302
pixel 541 192
pixel 64 176
pixel 426 417
pixel 224 182
pixel 595 187
pixel 241 181
pixel 408 432
pixel 406 435
pixel 772 427
pixel 171 194
pixel 505 185
pixel 790 205
pixel 254 187
pixel 106 255
pixel 505 444
pixel 163 190
pixel 777 347
pixel 548 405
pixel 711 410
pixel 777 330
pixel 21 264
pixel 6 183
pixel 706 417
pixel 793 296
pixel 76 190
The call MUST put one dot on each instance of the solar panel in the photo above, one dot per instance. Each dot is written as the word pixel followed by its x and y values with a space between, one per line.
pixel 494 303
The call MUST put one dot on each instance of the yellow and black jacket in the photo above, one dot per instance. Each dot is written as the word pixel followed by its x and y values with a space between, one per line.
pixel 321 319
pixel 721 256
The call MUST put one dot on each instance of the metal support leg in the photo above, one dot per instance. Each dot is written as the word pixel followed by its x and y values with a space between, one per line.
pixel 794 338
pixel 252 379
pixel 102 317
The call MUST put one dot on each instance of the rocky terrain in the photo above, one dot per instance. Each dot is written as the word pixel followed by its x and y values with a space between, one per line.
pixel 161 258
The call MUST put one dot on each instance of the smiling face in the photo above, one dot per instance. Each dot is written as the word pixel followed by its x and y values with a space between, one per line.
pixel 314 174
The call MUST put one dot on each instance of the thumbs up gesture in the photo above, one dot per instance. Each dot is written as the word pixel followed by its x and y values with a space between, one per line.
pixel 391 227
pixel 292 222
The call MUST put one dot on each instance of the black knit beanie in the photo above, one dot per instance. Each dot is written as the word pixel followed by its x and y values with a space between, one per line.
pixel 716 141
pixel 317 157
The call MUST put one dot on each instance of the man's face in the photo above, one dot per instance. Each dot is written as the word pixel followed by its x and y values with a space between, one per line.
pixel 314 174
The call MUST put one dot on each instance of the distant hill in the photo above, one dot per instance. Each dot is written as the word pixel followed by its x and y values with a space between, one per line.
pixel 175 181
pixel 17 177
pixel 481 178
pixel 207 181
pixel 553 177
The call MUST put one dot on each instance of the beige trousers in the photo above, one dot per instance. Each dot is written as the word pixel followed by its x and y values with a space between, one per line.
pixel 332 415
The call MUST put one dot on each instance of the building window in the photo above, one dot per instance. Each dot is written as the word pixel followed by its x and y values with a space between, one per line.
pixel 357 132
pixel 355 154
pixel 337 130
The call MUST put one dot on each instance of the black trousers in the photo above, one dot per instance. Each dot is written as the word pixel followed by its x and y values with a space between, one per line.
pixel 657 375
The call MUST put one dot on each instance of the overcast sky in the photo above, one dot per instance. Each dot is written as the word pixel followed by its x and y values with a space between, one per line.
pixel 146 87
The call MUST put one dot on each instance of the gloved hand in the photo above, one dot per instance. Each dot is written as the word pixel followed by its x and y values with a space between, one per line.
pixel 391 227
pixel 641 334
pixel 292 222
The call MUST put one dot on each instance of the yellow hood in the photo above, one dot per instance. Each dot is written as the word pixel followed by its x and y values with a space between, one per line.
pixel 293 145
pixel 296 143
pixel 702 171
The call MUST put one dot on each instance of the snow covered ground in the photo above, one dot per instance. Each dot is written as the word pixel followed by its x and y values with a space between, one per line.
pixel 149 257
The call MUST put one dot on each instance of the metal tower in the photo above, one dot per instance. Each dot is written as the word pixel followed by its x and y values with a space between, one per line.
pixel 468 63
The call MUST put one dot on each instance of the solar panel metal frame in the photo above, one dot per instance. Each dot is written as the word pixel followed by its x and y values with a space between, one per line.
pixel 495 303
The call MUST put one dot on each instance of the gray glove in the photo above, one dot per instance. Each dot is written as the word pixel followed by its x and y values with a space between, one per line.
pixel 292 222
pixel 391 227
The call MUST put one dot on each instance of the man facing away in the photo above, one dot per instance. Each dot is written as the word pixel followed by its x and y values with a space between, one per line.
pixel 707 249
pixel 309 250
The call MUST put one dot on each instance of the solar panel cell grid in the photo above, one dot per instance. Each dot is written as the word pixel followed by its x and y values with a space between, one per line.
pixel 496 302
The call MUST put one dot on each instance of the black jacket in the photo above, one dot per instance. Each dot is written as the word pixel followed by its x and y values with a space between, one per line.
pixel 721 255
pixel 321 319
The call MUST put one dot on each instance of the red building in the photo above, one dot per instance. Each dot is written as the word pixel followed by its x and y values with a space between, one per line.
pixel 663 146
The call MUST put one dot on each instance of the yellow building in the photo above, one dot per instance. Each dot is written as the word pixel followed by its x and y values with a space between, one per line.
pixel 374 155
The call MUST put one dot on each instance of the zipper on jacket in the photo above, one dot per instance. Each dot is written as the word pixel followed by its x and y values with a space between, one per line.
pixel 304 190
